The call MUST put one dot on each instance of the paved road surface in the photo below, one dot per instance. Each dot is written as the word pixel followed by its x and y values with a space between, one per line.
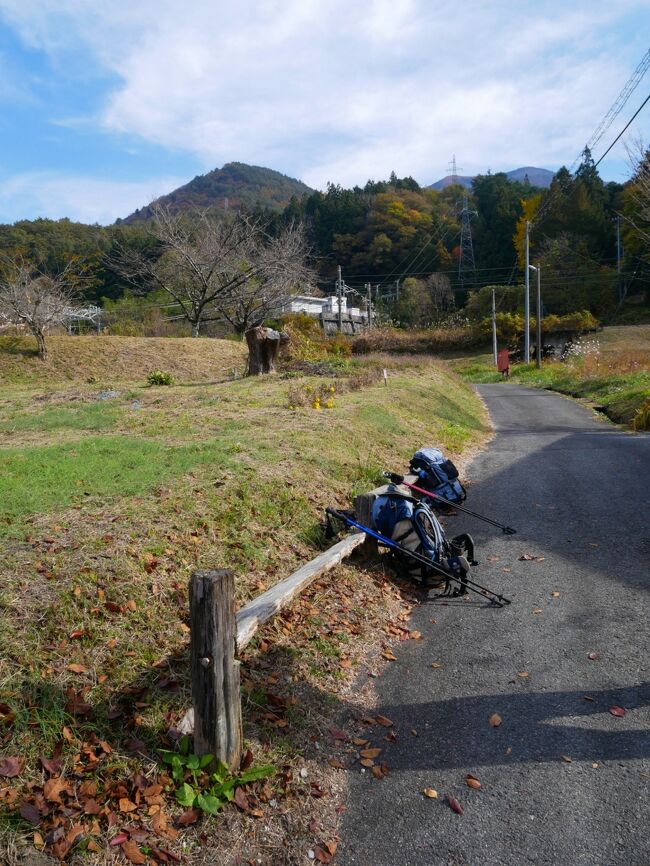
pixel 578 491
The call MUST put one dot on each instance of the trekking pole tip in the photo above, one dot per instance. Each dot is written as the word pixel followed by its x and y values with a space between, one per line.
pixel 508 530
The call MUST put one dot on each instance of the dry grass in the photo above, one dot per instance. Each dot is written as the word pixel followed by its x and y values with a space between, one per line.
pixel 108 360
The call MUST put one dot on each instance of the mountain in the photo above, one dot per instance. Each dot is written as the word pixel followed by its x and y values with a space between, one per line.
pixel 233 186
pixel 540 177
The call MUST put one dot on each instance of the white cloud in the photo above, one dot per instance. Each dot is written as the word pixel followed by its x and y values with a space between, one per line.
pixel 344 91
pixel 86 199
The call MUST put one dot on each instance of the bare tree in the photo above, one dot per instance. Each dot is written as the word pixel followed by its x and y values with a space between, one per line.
pixel 639 189
pixel 215 268
pixel 34 299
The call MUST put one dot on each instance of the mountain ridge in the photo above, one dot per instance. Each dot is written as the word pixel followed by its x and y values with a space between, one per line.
pixel 540 177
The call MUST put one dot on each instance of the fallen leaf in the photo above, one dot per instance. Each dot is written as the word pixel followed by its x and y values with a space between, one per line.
pixel 391 657
pixel 77 669
pixel 358 741
pixel 127 805
pixel 537 610
pixel 495 720
pixel 522 674
pixel 509 750
pixel 370 753
pixel 415 635
pixel 367 762
pixel 384 722
pixel 555 595
pixel 431 793
pixel 455 805
pixel 593 656
pixel 189 817
pixel 10 767
pixel 51 766
pixel 132 853
pixel 588 698
pixel 241 800
pixel 117 840
pixel 30 813
pixel 526 557
pixel 331 847
pixel 436 665
pixel 617 711
pixel 472 781
pixel 594 766
pixel 338 734
pixel 322 856
pixel 567 759
pixel 53 789
pixel 338 765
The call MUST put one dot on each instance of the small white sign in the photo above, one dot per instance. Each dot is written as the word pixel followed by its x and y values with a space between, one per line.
pixel 386 377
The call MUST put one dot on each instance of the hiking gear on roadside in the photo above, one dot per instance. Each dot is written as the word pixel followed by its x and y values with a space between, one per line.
pixel 438 474
pixel 394 478
pixel 415 527
pixel 465 584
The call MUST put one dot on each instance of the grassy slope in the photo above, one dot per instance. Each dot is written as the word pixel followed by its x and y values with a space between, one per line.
pixel 108 506
pixel 110 360
pixel 617 377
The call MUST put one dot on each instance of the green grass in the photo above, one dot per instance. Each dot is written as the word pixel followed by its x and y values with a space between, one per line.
pixel 40 479
pixel 93 416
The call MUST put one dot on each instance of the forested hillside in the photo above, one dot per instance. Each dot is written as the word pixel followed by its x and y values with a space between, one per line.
pixel 236 185
pixel 403 239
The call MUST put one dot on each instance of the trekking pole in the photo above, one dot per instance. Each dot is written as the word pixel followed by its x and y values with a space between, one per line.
pixel 399 479
pixel 483 591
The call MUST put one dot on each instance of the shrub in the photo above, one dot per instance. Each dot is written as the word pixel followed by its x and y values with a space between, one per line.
pixel 641 420
pixel 160 377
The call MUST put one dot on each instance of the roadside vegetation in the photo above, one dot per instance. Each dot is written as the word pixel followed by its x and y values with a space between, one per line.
pixel 112 492
pixel 610 369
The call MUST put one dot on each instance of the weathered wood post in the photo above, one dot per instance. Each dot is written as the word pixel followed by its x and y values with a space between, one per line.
pixel 363 510
pixel 216 694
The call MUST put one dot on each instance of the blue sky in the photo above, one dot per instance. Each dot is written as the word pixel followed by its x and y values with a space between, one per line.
pixel 105 104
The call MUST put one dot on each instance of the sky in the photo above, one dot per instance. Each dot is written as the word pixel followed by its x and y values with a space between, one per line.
pixel 105 105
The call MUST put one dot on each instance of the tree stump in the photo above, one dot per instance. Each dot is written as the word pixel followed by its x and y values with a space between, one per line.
pixel 263 347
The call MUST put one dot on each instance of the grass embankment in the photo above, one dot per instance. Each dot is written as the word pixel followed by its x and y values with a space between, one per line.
pixel 109 360
pixel 610 369
pixel 108 505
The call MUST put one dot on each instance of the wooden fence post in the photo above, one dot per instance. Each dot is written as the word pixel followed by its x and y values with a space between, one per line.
pixel 363 511
pixel 216 694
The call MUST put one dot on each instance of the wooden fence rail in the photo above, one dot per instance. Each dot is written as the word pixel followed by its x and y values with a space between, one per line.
pixel 218 634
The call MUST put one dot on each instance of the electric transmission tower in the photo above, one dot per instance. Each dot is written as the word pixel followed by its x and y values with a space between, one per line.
pixel 466 263
pixel 453 170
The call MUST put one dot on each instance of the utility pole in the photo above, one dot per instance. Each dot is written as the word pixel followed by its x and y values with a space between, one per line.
pixel 397 290
pixel 539 317
pixel 494 328
pixel 618 257
pixel 339 292
pixel 369 303
pixel 527 299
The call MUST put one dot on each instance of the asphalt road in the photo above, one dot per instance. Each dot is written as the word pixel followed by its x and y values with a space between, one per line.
pixel 578 491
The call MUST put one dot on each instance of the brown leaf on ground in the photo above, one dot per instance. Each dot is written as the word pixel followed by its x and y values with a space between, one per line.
pixel 436 665
pixel 132 853
pixel 338 734
pixel 567 759
pixel 241 800
pixel 322 856
pixel 10 767
pixel 127 805
pixel 77 668
pixel 523 674
pixel 384 721
pixel 431 793
pixel 92 807
pixel 389 655
pixel 52 766
pixel 191 816
pixel 415 635
pixel 359 741
pixel 495 720
pixel 246 761
pixel 455 805
pixel 53 789
pixel 370 753
pixel 472 781
pixel 30 813
pixel 555 595
pixel 117 840
pixel 617 711
pixel 526 557
pixel 338 765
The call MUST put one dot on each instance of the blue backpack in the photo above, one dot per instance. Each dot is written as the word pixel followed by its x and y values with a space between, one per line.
pixel 437 474
pixel 415 527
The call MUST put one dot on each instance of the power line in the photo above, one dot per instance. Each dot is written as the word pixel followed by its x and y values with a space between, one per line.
pixel 623 130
